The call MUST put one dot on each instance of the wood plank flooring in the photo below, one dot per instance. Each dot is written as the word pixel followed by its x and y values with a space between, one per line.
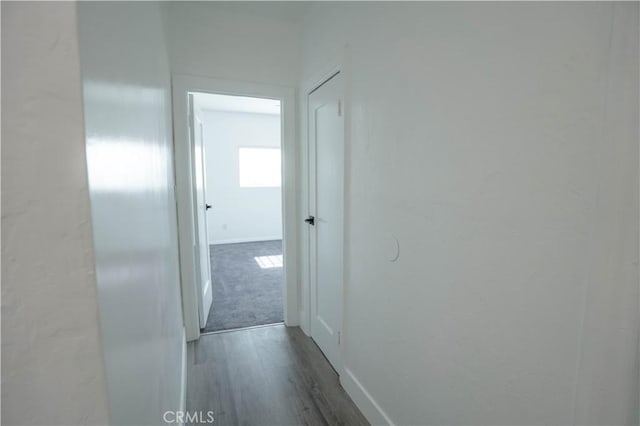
pixel 272 375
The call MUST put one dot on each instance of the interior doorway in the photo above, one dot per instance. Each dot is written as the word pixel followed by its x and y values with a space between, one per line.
pixel 235 165
pixel 237 139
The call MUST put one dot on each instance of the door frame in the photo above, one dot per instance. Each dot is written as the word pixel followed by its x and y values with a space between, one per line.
pixel 183 163
pixel 338 63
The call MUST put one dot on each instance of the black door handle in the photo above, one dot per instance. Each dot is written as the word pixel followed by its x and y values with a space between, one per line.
pixel 311 220
pixel 207 206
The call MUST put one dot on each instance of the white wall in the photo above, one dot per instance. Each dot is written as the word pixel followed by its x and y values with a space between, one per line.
pixel 239 214
pixel 499 144
pixel 222 40
pixel 52 365
pixel 255 42
pixel 129 147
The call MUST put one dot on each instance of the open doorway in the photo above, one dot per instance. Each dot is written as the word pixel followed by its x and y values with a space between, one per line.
pixel 253 167
pixel 241 159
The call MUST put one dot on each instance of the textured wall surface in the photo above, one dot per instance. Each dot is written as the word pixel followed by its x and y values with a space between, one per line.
pixel 499 143
pixel 52 366
pixel 129 149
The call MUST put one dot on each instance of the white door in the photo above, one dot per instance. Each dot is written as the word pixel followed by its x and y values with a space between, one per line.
pixel 326 194
pixel 203 261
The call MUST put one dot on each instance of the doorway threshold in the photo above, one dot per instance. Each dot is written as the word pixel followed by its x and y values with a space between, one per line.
pixel 242 328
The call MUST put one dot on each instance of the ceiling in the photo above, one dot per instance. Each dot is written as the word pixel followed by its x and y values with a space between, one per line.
pixel 213 102
pixel 287 11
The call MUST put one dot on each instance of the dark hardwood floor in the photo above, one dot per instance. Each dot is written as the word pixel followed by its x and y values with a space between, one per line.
pixel 272 375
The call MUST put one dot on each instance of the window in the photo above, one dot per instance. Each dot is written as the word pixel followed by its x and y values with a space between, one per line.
pixel 259 167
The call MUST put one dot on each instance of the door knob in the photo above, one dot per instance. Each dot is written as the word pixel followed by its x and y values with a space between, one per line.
pixel 207 206
pixel 310 220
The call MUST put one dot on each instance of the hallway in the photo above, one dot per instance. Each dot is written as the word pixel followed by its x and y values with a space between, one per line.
pixel 444 195
pixel 267 375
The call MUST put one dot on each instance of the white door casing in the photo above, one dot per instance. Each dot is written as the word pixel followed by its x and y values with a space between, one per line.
pixel 326 205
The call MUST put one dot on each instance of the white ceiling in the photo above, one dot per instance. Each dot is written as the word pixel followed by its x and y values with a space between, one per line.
pixel 289 11
pixel 212 102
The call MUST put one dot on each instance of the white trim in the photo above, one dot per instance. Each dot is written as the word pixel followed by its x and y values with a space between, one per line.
pixel 363 399
pixel 183 378
pixel 245 240
pixel 182 84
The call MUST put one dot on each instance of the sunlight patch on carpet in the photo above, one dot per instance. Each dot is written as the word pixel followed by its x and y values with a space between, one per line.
pixel 266 262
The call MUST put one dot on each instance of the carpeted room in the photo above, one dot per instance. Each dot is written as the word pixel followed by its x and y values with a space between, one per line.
pixel 242 165
pixel 247 285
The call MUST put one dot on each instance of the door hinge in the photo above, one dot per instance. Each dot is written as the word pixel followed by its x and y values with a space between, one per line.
pixel 339 108
pixel 338 337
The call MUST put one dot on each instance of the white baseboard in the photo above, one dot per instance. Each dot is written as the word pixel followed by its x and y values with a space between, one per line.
pixel 363 400
pixel 304 323
pixel 183 378
pixel 244 240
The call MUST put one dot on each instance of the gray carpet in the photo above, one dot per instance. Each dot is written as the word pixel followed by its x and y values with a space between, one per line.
pixel 244 293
